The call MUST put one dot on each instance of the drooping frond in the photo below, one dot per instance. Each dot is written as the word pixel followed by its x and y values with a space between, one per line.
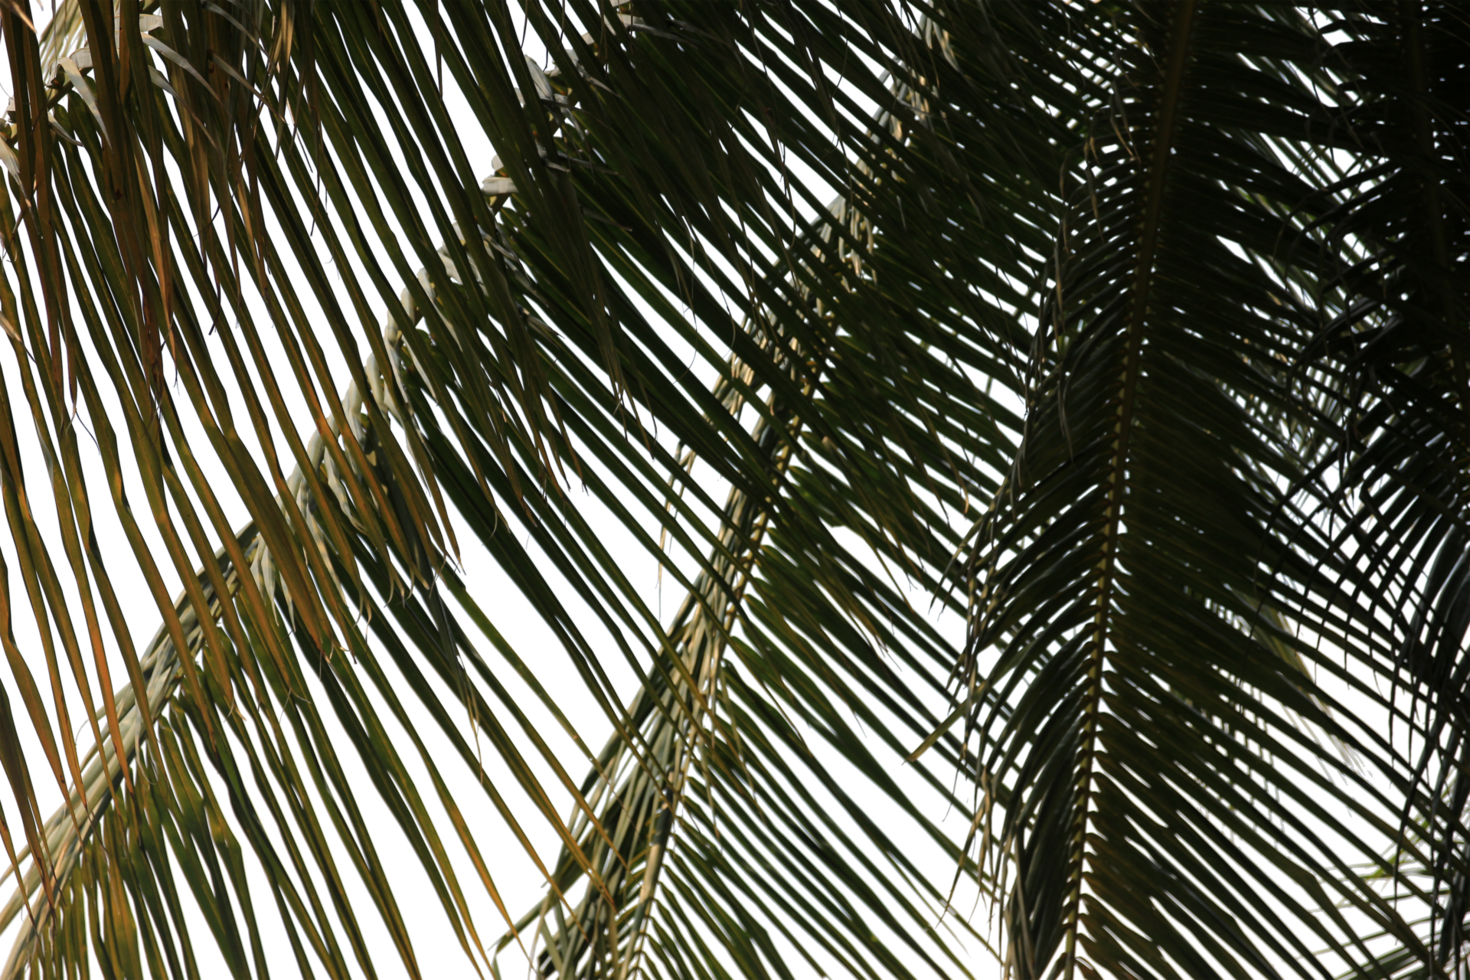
pixel 1188 578
pixel 533 350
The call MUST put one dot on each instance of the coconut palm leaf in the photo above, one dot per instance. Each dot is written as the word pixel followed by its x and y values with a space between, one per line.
pixel 1217 249
pixel 505 364
pixel 1168 551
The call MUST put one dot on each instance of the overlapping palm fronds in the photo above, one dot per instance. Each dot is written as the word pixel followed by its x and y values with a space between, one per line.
pixel 1236 517
pixel 1215 580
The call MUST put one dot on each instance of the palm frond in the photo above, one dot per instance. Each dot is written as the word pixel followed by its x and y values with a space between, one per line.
pixel 1158 568
pixel 1216 248
pixel 453 408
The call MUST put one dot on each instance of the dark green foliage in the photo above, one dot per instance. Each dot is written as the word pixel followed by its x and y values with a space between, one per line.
pixel 1136 335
